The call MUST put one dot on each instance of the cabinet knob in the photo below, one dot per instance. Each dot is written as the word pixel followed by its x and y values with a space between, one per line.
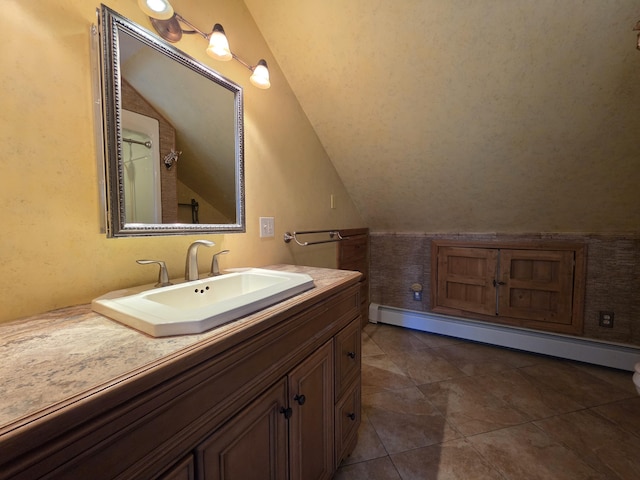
pixel 300 399
pixel 351 354
pixel 352 416
pixel 287 412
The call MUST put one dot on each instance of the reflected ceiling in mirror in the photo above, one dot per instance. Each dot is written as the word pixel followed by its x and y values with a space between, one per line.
pixel 173 137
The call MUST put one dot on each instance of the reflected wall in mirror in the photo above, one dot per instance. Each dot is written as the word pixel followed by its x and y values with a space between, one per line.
pixel 173 137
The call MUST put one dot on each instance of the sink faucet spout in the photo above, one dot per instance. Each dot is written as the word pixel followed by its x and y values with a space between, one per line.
pixel 191 265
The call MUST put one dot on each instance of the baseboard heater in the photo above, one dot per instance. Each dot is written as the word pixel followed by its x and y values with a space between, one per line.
pixel 607 354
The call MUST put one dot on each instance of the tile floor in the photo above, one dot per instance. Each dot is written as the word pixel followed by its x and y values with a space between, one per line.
pixel 436 407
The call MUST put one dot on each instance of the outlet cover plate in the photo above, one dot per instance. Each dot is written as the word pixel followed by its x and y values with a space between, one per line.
pixel 606 319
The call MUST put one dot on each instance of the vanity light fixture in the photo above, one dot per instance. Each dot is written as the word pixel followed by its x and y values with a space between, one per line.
pixel 167 23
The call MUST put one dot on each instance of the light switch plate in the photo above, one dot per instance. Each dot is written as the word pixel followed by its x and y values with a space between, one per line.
pixel 267 227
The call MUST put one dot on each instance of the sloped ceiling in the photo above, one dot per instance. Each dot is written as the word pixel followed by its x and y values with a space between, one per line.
pixel 470 115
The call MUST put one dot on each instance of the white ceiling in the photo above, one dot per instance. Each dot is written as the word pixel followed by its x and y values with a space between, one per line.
pixel 470 115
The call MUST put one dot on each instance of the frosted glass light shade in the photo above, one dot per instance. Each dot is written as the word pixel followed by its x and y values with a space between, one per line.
pixel 260 76
pixel 219 45
pixel 160 9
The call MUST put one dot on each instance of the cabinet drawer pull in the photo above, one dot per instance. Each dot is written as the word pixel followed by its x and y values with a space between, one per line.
pixel 300 399
pixel 287 412
pixel 351 354
pixel 352 416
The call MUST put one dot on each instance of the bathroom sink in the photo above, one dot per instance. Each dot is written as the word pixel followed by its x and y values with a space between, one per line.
pixel 199 305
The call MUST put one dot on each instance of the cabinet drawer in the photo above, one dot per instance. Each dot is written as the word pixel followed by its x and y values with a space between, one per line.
pixel 347 356
pixel 348 411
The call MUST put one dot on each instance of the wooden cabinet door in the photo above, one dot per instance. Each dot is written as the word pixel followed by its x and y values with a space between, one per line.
pixel 251 446
pixel 182 471
pixel 311 424
pixel 536 285
pixel 465 279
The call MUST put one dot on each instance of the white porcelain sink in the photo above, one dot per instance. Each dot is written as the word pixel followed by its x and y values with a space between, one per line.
pixel 197 306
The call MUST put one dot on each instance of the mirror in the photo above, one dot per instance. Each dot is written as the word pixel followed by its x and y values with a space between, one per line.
pixel 172 130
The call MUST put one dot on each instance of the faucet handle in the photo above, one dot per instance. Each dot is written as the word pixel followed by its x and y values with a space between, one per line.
pixel 163 274
pixel 215 269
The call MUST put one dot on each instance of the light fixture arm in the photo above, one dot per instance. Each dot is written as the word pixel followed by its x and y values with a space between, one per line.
pixel 242 62
pixel 181 19
pixel 170 28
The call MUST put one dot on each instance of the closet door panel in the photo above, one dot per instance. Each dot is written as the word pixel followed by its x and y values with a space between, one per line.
pixel 465 279
pixel 537 285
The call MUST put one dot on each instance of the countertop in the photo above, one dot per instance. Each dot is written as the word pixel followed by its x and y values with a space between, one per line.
pixel 52 358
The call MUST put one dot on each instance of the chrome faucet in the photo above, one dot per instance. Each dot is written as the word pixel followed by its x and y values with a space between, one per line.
pixel 215 268
pixel 191 266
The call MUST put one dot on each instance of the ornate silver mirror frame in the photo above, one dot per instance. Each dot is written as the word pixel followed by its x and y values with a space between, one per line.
pixel 115 30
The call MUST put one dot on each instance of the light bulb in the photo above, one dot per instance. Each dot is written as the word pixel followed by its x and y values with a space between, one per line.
pixel 260 76
pixel 219 45
pixel 160 9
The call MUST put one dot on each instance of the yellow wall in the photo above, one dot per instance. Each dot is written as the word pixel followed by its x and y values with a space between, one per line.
pixel 52 253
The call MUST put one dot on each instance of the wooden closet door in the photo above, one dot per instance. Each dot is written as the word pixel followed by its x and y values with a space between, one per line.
pixel 536 285
pixel 465 279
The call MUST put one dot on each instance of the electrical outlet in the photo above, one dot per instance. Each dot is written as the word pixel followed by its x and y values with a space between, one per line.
pixel 267 227
pixel 606 319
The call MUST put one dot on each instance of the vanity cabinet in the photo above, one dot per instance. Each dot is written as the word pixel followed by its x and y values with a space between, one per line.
pixel 353 254
pixel 275 398
pixel 292 420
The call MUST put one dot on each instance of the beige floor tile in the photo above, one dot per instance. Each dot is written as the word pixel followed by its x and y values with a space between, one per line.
pixel 380 373
pixel 369 445
pixel 425 366
pixel 534 400
pixel 369 347
pixel 624 413
pixel 397 339
pixel 433 340
pixel 470 408
pixel 378 469
pixel 479 359
pixel 620 378
pixel 582 387
pixel 453 460
pixel 525 452
pixel 597 441
pixel 404 419
pixel 524 416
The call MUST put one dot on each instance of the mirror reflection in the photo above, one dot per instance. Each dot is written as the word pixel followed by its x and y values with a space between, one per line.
pixel 173 129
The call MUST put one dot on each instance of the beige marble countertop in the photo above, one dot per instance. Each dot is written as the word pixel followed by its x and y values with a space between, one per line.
pixel 50 358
